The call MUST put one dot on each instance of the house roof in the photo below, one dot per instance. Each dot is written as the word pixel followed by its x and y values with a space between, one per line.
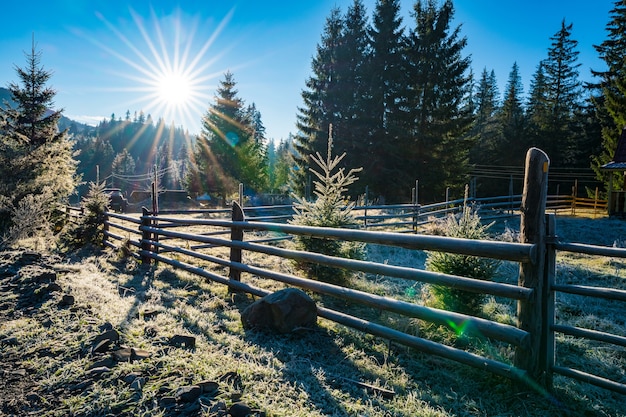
pixel 619 159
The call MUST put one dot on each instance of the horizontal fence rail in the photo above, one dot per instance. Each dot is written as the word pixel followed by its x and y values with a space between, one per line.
pixel 155 236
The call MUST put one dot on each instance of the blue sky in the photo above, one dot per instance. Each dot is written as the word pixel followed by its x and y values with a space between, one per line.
pixel 113 56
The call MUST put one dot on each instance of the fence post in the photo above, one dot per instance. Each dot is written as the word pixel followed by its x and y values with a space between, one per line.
pixel 145 236
pixel 365 207
pixel 105 228
pixel 236 234
pixel 546 356
pixel 531 274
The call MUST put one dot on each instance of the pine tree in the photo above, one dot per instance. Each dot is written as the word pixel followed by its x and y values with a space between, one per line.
pixel 386 96
pixel 36 159
pixel 609 93
pixel 437 149
pixel 320 108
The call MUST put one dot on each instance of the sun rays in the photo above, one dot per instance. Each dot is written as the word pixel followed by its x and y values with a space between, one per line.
pixel 169 65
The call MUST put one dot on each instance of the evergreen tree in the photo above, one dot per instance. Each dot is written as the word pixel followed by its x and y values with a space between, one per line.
pixel 485 130
pixel 353 129
pixel 609 93
pixel 437 149
pixel 386 96
pixel 563 94
pixel 36 159
pixel 320 108
pixel 512 121
pixel 226 153
pixel 123 166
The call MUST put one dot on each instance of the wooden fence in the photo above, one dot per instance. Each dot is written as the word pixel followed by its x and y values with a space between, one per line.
pixel 154 235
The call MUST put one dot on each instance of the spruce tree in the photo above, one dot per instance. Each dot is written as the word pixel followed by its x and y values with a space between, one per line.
pixel 609 93
pixel 435 146
pixel 320 108
pixel 226 152
pixel 353 129
pixel 485 130
pixel 36 159
pixel 512 121
pixel 386 98
pixel 563 92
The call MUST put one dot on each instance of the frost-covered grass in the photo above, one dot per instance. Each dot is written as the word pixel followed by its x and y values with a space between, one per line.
pixel 311 372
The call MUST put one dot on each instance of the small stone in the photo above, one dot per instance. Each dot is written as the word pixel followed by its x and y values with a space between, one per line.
pixel 209 387
pixel 10 341
pixel 98 372
pixel 188 342
pixel 137 354
pixel 108 362
pixel 33 397
pixel 150 332
pixel 168 402
pixel 66 300
pixel 131 377
pixel 188 393
pixel 104 340
pixel 150 314
pixel 53 287
pixel 239 409
pixel 122 354
pixel 138 383
pixel 219 408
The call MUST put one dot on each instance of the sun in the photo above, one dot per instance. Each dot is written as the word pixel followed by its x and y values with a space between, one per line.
pixel 167 67
pixel 174 88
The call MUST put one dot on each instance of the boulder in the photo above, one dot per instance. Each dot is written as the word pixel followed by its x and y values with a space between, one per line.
pixel 282 311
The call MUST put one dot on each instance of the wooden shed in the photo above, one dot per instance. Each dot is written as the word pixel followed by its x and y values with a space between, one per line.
pixel 617 198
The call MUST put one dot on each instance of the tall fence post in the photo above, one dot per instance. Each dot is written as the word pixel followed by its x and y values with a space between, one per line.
pixel 546 357
pixel 145 236
pixel 531 274
pixel 236 234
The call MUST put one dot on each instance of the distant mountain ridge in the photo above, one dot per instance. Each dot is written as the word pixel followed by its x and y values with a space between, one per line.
pixel 64 122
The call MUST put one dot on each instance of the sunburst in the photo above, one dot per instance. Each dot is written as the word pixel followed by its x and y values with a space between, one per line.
pixel 172 82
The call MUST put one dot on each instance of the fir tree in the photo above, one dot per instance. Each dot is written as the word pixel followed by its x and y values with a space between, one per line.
pixel 486 134
pixel 436 151
pixel 386 96
pixel 512 121
pixel 563 98
pixel 36 159
pixel 609 93
pixel 320 108
pixel 226 152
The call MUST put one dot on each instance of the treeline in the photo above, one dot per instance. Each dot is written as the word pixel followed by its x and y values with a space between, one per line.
pixel 125 151
pixel 405 105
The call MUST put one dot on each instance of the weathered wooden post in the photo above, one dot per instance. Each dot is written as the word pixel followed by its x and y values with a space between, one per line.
pixel 236 235
pixel 546 356
pixel 145 236
pixel 105 228
pixel 531 275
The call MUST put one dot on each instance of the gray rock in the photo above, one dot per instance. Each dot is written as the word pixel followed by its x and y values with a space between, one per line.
pixel 282 311
pixel 239 409
pixel 188 393
pixel 103 341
